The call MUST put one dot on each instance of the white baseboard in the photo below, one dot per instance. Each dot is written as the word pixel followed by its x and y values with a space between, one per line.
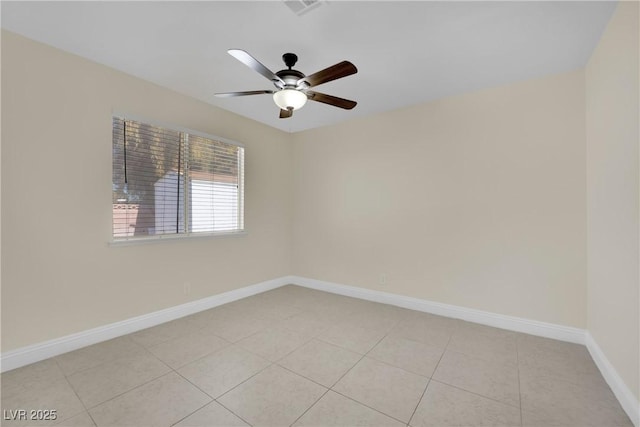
pixel 518 324
pixel 624 395
pixel 37 352
pixel 549 330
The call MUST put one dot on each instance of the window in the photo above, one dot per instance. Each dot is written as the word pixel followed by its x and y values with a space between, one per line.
pixel 174 183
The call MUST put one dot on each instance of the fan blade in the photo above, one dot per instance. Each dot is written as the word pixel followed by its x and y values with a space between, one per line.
pixel 285 114
pixel 254 64
pixel 343 69
pixel 331 100
pixel 249 92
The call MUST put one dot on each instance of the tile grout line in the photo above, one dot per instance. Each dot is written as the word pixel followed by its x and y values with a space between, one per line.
pixel 363 356
pixel 398 367
pixel 430 378
pixel 171 369
pixel 280 358
pixel 164 341
pixel 131 389
pixel 367 406
pixel 146 351
pixel 328 388
pixel 342 376
pixel 191 413
pixel 239 384
pixel 235 344
pixel 143 348
pixel 195 385
pixel 300 375
pixel 213 399
pixel 134 388
pixel 475 393
pixel 229 409
pixel 419 402
pixel 519 386
pixel 372 408
pixel 309 408
pixel 229 344
pixel 552 375
pixel 127 391
pixel 75 393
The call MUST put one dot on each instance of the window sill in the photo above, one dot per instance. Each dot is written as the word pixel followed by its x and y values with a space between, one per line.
pixel 175 238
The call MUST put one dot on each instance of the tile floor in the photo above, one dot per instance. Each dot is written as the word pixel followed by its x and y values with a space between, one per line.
pixel 295 356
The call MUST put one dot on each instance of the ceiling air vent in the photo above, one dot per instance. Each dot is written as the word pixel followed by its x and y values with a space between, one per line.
pixel 300 7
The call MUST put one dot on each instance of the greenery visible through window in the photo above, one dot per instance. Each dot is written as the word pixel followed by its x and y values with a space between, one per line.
pixel 170 182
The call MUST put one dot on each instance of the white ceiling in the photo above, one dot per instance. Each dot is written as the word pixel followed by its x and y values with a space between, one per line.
pixel 406 52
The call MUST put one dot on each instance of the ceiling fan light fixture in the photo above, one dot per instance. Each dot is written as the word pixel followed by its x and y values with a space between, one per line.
pixel 289 99
pixel 292 86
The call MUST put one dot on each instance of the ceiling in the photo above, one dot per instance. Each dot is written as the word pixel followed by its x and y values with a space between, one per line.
pixel 406 52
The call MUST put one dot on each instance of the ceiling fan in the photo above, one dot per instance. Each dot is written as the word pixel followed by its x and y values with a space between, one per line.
pixel 292 86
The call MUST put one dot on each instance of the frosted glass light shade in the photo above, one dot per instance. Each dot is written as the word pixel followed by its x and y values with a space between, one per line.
pixel 289 98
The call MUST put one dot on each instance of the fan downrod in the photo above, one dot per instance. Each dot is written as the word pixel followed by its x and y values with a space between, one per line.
pixel 290 59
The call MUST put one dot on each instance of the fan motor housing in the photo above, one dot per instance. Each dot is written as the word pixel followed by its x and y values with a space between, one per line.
pixel 289 77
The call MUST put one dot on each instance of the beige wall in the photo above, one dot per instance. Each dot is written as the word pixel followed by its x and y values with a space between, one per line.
pixel 59 276
pixel 475 200
pixel 612 193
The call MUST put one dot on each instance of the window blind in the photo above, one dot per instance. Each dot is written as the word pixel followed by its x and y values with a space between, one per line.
pixel 171 182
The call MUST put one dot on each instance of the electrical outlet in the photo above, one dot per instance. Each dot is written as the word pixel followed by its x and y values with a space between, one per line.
pixel 186 288
pixel 383 279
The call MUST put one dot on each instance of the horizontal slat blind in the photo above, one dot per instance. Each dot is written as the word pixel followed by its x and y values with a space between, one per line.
pixel 213 177
pixel 171 182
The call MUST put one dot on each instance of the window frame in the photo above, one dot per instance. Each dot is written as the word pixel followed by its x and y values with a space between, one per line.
pixel 129 241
